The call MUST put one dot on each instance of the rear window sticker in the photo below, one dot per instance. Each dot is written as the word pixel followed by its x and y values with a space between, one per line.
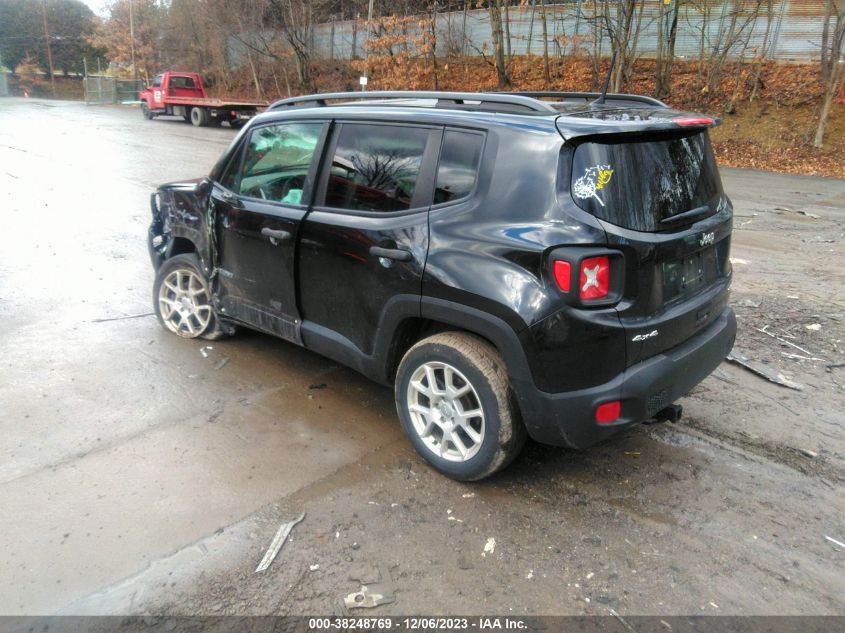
pixel 593 180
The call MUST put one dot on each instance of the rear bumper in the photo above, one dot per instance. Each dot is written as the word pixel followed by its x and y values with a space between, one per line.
pixel 567 419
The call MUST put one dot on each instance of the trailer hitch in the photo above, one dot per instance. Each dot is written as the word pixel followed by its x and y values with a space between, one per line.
pixel 672 414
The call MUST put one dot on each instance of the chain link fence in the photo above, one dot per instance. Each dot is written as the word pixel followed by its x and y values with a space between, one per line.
pixel 100 90
pixel 126 90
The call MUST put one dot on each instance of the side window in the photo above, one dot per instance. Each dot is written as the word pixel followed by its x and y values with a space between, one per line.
pixel 375 167
pixel 157 81
pixel 277 160
pixel 458 167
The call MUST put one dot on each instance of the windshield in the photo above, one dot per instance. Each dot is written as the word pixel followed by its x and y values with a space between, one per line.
pixel 637 183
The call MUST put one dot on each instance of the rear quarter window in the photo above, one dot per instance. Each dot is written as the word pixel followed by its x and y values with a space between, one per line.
pixel 457 170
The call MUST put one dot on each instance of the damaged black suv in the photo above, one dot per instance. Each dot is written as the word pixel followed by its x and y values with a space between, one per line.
pixel 544 264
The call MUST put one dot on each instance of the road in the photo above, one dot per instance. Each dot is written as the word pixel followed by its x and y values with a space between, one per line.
pixel 139 475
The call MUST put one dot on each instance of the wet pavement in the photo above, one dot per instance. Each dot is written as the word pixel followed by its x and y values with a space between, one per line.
pixel 140 475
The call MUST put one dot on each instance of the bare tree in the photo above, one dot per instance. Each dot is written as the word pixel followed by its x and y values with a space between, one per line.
pixel 745 38
pixel 502 75
pixel 667 33
pixel 736 23
pixel 430 42
pixel 507 32
pixel 295 19
pixel 831 39
pixel 764 50
pixel 598 39
pixel 833 63
pixel 546 75
pixel 247 26
pixel 622 19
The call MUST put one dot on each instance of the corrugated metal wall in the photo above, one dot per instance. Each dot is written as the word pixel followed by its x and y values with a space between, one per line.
pixel 795 32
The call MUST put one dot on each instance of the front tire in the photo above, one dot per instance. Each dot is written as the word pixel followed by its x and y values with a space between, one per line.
pixel 456 405
pixel 182 299
pixel 145 111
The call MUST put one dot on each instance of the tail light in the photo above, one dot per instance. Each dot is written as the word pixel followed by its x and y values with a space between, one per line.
pixel 608 412
pixel 588 276
pixel 594 280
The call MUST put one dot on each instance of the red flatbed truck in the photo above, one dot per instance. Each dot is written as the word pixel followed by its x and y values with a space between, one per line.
pixel 182 94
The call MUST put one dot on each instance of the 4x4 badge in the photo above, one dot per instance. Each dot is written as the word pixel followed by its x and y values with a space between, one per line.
pixel 644 337
pixel 707 239
pixel 593 180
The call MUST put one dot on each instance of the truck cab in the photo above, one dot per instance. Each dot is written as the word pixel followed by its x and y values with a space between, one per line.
pixel 172 84
pixel 177 85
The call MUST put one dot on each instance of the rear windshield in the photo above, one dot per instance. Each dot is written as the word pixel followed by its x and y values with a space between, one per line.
pixel 182 82
pixel 637 183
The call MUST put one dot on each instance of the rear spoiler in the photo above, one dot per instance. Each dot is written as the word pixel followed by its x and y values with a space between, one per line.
pixel 596 123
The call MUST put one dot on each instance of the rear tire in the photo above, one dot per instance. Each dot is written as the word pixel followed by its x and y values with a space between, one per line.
pixel 199 117
pixel 182 299
pixel 457 407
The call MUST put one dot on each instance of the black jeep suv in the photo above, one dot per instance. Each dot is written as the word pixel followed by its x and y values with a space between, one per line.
pixel 540 264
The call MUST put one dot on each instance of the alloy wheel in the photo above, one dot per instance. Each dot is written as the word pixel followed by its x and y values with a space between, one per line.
pixel 184 303
pixel 445 411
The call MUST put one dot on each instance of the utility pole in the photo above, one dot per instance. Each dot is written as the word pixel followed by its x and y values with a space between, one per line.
pixel 369 19
pixel 365 78
pixel 49 48
pixel 132 41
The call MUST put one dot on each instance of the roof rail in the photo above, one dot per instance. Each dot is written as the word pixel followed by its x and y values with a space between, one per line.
pixel 488 101
pixel 591 96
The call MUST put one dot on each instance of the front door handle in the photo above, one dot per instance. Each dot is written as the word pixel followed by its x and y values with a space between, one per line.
pixel 275 236
pixel 398 254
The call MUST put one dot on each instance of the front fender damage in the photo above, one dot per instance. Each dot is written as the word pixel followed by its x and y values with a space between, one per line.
pixel 183 222
pixel 157 238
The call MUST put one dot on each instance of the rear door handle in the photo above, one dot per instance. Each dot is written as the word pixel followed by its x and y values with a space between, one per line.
pixel 398 254
pixel 275 236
